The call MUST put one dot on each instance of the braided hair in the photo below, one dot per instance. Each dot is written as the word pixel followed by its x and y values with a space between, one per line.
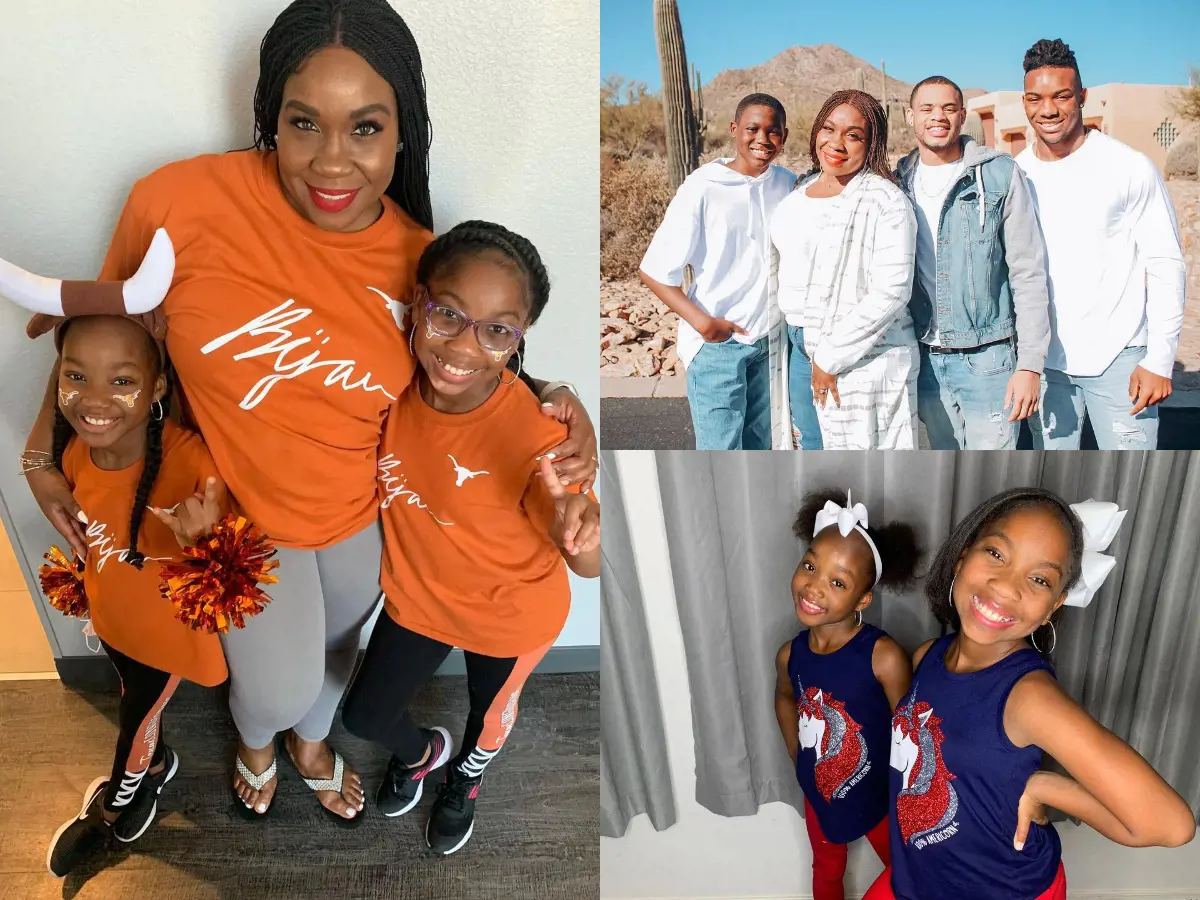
pixel 151 464
pixel 941 572
pixel 899 551
pixel 377 33
pixel 468 239
pixel 1052 54
pixel 873 114
pixel 64 431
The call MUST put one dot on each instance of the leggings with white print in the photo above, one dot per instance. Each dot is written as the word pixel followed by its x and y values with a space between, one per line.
pixel 144 693
pixel 397 665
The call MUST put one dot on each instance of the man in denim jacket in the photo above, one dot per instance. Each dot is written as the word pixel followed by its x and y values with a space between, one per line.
pixel 980 301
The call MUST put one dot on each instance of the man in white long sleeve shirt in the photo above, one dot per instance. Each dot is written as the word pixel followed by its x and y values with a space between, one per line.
pixel 1115 265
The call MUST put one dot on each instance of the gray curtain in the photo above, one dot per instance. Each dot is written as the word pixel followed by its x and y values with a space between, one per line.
pixel 635 777
pixel 1125 658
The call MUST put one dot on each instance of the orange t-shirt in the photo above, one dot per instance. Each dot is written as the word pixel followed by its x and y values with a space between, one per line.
pixel 284 336
pixel 467 557
pixel 126 608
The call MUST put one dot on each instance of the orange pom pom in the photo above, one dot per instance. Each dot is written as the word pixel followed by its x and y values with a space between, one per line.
pixel 62 584
pixel 216 585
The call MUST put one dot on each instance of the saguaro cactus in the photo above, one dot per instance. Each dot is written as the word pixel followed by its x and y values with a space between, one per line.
pixel 860 79
pixel 683 145
pixel 883 94
pixel 701 118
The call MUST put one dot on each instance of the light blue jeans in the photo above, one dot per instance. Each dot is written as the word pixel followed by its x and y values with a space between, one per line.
pixel 729 391
pixel 806 429
pixel 960 397
pixel 1104 398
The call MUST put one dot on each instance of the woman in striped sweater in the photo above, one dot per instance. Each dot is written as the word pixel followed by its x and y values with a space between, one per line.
pixel 846 244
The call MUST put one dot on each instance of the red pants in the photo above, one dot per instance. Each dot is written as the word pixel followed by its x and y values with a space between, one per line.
pixel 882 888
pixel 829 859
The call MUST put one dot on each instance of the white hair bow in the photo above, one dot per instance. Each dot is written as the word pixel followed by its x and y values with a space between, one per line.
pixel 851 517
pixel 1101 522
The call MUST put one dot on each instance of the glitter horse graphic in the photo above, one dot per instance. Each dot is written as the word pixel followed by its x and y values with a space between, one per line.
pixel 927 801
pixel 826 727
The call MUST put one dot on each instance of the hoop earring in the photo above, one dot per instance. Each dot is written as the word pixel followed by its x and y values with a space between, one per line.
pixel 858 617
pixel 412 332
pixel 516 374
pixel 156 411
pixel 1053 640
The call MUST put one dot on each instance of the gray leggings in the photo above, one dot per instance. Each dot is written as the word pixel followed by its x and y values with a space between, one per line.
pixel 290 665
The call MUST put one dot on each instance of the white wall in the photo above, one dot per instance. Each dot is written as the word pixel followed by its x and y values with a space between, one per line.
pixel 98 94
pixel 767 855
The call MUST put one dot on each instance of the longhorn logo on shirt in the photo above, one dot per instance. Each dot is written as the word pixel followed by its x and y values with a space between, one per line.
pixel 462 473
pixel 826 727
pixel 927 802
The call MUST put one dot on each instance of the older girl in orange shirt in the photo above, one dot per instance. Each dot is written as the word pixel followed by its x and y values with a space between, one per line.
pixel 476 525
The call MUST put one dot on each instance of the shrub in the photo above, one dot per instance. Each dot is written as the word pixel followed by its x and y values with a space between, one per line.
pixel 631 120
pixel 633 199
pixel 1181 158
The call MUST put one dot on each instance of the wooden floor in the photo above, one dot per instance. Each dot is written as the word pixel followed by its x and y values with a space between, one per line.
pixel 536 831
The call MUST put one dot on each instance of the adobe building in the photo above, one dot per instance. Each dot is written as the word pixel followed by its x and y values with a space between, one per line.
pixel 1139 115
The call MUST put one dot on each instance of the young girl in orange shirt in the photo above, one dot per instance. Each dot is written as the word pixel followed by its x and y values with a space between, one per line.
pixel 121 456
pixel 476 525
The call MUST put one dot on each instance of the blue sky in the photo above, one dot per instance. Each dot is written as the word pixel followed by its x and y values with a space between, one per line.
pixel 976 44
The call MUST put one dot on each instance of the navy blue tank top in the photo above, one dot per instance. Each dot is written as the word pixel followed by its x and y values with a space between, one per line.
pixel 956 780
pixel 844 719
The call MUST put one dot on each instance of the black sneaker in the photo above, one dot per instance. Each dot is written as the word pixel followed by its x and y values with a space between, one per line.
pixel 402 786
pixel 137 816
pixel 82 836
pixel 453 818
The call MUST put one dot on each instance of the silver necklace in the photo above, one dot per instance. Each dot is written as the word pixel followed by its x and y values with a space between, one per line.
pixel 933 195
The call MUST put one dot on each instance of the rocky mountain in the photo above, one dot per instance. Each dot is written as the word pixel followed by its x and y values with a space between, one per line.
pixel 801 77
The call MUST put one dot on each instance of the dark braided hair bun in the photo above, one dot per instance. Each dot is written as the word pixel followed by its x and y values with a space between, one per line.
pixel 899 551
pixel 377 33
pixel 475 237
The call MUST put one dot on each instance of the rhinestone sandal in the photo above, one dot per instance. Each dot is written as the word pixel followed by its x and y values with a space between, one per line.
pixel 258 782
pixel 329 784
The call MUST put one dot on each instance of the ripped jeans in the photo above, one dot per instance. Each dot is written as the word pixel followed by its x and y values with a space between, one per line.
pixel 1104 398
pixel 960 397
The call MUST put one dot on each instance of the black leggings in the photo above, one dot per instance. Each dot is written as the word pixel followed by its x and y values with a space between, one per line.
pixel 398 662
pixel 144 693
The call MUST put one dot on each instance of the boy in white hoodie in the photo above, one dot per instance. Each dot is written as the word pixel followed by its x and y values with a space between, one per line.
pixel 718 224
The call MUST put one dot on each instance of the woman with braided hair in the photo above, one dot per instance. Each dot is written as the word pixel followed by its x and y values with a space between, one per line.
pixel 476 525
pixel 293 263
pixel 846 239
